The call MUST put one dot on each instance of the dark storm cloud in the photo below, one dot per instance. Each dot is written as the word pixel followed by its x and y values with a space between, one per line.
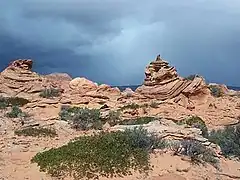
pixel 111 41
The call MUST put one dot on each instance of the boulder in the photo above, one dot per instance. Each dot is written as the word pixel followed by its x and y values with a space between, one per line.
pixel 168 130
pixel 82 85
pixel 128 92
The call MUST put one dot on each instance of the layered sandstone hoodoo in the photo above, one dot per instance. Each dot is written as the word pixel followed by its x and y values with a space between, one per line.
pixel 18 79
pixel 163 82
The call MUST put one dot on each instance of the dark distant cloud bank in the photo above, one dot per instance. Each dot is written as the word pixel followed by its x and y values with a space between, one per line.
pixel 111 41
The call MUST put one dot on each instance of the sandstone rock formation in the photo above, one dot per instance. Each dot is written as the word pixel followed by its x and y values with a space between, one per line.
pixel 162 82
pixel 167 129
pixel 18 79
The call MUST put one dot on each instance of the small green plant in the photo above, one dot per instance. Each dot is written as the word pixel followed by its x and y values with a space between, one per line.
pixel 17 101
pixel 82 118
pixel 101 155
pixel 3 103
pixel 142 139
pixel 137 121
pixel 228 139
pixel 153 104
pixel 50 93
pixel 36 132
pixel 16 112
pixel 191 77
pixel 216 91
pixel 12 101
pixel 196 122
pixel 113 117
pixel 130 106
pixel 198 152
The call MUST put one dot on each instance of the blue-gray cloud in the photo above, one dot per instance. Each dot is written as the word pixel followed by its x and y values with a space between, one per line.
pixel 111 41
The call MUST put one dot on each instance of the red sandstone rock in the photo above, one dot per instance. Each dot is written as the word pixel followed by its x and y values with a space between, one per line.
pixel 82 85
pixel 162 82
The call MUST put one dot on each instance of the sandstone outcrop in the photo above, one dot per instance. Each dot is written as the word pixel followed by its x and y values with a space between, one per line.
pixel 167 129
pixel 163 82
pixel 18 79
pixel 82 85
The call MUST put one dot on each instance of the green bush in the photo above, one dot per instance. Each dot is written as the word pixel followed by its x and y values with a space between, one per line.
pixel 153 104
pixel 50 93
pixel 106 154
pixel 16 112
pixel 113 118
pixel 12 101
pixel 215 91
pixel 191 77
pixel 17 101
pixel 82 118
pixel 137 121
pixel 228 139
pixel 130 106
pixel 3 103
pixel 142 139
pixel 196 122
pixel 198 152
pixel 36 132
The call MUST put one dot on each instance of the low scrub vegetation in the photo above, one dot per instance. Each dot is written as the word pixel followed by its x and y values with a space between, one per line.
pixel 153 104
pixel 50 93
pixel 17 101
pixel 197 152
pixel 36 132
pixel 105 154
pixel 131 106
pixel 137 106
pixel 113 118
pixel 16 112
pixel 228 139
pixel 137 121
pixel 196 122
pixel 82 118
pixel 12 101
pixel 191 77
pixel 3 103
pixel 216 91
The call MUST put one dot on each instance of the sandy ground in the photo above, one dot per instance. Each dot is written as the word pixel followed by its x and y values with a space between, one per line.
pixel 16 153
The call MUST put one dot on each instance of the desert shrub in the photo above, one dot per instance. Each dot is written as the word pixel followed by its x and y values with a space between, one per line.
pixel 153 104
pixel 17 101
pixel 3 103
pixel 82 118
pixel 12 101
pixel 191 77
pixel 196 122
pixel 228 139
pixel 50 93
pixel 113 117
pixel 215 91
pixel 16 112
pixel 137 121
pixel 198 152
pixel 105 154
pixel 131 106
pixel 142 139
pixel 36 132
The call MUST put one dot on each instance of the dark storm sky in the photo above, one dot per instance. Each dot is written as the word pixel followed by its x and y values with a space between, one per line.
pixel 111 41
